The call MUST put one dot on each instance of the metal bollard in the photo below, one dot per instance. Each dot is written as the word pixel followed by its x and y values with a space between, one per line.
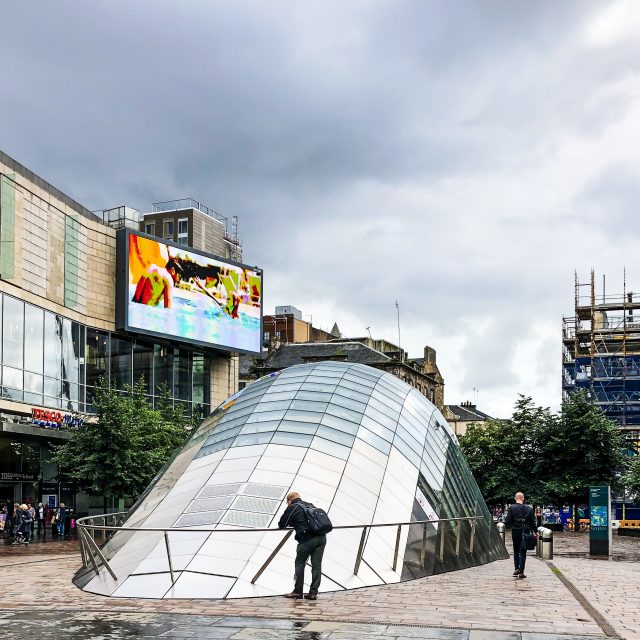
pixel 501 531
pixel 539 542
pixel 547 544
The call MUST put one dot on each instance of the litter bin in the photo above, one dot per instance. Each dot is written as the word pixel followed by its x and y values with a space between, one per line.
pixel 544 549
pixel 501 529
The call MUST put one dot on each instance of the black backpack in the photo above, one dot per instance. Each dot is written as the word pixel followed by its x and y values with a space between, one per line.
pixel 318 522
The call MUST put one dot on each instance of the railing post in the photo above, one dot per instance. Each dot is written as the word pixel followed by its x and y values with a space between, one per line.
pixel 82 549
pixel 166 544
pixel 395 553
pixel 90 553
pixel 274 553
pixel 423 554
pixel 442 536
pixel 473 535
pixel 458 536
pixel 360 550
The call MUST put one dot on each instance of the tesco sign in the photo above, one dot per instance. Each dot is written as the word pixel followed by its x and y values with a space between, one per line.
pixel 52 419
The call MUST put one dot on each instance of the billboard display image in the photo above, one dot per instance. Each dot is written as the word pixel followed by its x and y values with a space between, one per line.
pixel 175 292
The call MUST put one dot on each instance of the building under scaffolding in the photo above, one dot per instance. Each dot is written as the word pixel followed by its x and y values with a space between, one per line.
pixel 601 353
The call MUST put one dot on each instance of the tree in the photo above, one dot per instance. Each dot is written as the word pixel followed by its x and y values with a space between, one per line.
pixel 552 459
pixel 631 480
pixel 120 452
pixel 502 453
pixel 584 449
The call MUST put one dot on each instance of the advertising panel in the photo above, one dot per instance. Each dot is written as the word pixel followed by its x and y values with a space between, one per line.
pixel 172 291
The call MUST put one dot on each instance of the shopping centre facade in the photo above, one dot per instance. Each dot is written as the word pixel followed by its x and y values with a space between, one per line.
pixel 59 333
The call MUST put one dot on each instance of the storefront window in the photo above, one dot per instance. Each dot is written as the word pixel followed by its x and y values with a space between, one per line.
pixel 13 333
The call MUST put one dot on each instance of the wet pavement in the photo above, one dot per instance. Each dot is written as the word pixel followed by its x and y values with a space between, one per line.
pixel 81 626
pixel 573 598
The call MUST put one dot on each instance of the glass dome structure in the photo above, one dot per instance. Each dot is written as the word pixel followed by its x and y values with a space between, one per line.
pixel 357 441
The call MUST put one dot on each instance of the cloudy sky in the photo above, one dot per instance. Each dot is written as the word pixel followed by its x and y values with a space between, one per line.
pixel 463 158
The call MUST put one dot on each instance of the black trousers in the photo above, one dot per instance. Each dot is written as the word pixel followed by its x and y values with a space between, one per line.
pixel 519 554
pixel 313 548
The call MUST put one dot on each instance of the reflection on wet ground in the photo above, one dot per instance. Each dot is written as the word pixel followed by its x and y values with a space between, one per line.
pixel 115 626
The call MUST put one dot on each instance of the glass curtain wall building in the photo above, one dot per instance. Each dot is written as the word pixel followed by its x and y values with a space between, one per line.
pixel 64 374
pixel 354 440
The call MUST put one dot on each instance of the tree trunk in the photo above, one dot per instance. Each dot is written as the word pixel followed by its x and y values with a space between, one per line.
pixel 576 517
pixel 105 504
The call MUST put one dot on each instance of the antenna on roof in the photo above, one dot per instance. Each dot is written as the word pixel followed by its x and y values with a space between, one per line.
pixel 369 330
pixel 399 347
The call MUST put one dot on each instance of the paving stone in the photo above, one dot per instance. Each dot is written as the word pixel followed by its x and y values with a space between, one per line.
pixel 477 634
pixel 38 579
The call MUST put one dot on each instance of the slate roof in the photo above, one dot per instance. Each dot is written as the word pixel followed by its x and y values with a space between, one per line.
pixel 288 355
pixel 468 414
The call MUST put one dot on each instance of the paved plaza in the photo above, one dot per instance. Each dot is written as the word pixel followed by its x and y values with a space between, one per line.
pixel 572 597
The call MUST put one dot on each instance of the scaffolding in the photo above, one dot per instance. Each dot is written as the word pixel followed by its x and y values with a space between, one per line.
pixel 601 353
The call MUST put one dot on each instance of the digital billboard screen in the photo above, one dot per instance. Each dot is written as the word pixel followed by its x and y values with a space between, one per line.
pixel 175 292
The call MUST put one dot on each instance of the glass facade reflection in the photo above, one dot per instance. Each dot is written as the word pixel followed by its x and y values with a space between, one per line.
pixel 354 440
pixel 52 361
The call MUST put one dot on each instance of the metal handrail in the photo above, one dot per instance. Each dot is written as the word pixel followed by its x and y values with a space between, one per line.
pixel 91 553
pixel 80 523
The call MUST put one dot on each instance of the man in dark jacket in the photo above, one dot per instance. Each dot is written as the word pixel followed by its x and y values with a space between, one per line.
pixel 308 545
pixel 520 519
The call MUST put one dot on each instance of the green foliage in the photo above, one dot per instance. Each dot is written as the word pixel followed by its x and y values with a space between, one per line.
pixel 585 449
pixel 502 453
pixel 631 480
pixel 120 452
pixel 552 459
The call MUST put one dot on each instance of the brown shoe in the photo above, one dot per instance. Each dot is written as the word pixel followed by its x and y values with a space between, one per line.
pixel 294 595
pixel 311 596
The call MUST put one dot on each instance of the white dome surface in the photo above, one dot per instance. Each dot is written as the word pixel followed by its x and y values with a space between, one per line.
pixel 351 439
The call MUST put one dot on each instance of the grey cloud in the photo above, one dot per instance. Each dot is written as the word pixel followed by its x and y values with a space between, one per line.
pixel 373 151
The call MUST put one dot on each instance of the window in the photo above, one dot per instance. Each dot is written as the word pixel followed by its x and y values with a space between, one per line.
pixel 168 229
pixel 150 228
pixel 183 231
pixel 13 333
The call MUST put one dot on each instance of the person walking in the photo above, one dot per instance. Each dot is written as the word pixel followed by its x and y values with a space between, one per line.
pixel 40 512
pixel 61 520
pixel 520 519
pixel 309 545
pixel 27 523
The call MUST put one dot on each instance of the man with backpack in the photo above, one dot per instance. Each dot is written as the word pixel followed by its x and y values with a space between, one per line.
pixel 522 522
pixel 311 525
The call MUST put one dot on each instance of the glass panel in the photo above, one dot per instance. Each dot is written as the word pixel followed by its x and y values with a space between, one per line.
pixel 374 440
pixel 143 363
pixel 297 427
pixel 163 367
pixel 13 333
pixel 97 360
pixel 295 439
pixel 253 438
pixel 11 378
pixel 200 379
pixel 33 382
pixel 335 436
pixel 53 345
pixel 34 336
pixel 120 362
pixel 183 375
pixel 70 355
